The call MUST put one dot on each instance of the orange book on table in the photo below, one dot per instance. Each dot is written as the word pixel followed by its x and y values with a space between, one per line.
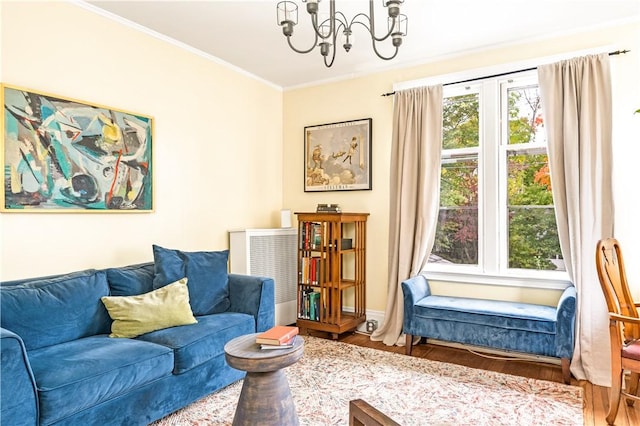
pixel 278 335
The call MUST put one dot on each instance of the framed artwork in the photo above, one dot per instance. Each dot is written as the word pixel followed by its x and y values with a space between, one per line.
pixel 337 156
pixel 65 155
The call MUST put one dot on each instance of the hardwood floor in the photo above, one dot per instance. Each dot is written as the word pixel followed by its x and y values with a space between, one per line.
pixel 595 397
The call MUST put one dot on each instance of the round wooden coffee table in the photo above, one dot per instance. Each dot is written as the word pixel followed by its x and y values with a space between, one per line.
pixel 265 398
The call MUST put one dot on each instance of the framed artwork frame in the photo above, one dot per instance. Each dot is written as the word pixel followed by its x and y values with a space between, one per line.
pixel 337 156
pixel 64 155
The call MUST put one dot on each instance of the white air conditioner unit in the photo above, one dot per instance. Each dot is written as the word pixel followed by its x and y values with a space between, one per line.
pixel 269 253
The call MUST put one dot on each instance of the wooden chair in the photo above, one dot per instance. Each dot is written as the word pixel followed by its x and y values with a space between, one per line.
pixel 361 413
pixel 624 325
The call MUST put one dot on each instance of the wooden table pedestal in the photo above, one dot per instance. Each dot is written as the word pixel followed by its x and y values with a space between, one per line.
pixel 265 398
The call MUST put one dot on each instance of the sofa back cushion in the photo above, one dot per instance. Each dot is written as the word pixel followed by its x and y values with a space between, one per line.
pixel 207 274
pixel 48 311
pixel 131 280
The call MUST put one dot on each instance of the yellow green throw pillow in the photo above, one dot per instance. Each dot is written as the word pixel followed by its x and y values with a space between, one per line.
pixel 162 308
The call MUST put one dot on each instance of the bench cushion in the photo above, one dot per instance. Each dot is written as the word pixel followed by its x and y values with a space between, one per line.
pixel 494 313
pixel 80 374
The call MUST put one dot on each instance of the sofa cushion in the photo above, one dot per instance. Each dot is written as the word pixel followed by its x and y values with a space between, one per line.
pixel 207 274
pixel 46 312
pixel 131 280
pixel 162 308
pixel 494 313
pixel 198 343
pixel 76 375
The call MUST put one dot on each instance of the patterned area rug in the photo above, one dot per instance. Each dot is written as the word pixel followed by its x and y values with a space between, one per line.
pixel 412 391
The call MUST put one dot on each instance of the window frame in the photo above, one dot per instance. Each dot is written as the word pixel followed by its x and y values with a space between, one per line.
pixel 492 267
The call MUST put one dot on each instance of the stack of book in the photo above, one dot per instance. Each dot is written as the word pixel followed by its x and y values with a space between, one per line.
pixel 310 236
pixel 328 208
pixel 309 305
pixel 278 337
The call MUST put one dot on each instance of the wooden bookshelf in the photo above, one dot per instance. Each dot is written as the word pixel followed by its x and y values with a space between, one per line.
pixel 331 271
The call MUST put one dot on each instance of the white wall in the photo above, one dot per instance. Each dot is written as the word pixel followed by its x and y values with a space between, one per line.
pixel 217 149
pixel 360 98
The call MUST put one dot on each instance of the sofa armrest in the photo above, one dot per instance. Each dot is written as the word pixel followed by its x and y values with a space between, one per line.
pixel 18 392
pixel 413 289
pixel 565 322
pixel 253 295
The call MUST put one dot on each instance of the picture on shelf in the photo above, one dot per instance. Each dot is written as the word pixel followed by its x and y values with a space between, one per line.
pixel 338 156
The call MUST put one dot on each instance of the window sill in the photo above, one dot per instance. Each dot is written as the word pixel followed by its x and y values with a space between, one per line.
pixel 558 282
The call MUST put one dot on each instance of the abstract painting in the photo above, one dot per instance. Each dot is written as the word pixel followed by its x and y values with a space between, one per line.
pixel 338 156
pixel 64 155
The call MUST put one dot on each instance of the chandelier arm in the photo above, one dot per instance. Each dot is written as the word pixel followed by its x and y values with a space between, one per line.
pixel 316 27
pixel 372 24
pixel 333 46
pixel 333 57
pixel 313 46
pixel 331 19
pixel 373 38
pixel 373 43
pixel 341 19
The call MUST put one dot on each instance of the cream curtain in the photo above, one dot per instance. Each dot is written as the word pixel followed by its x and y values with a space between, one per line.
pixel 576 96
pixel 415 196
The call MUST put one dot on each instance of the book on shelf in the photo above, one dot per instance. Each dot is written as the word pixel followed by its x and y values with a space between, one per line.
pixel 310 236
pixel 277 335
pixel 309 304
pixel 328 208
pixel 286 345
pixel 310 270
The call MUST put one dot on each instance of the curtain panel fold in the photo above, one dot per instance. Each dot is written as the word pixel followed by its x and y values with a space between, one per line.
pixel 414 196
pixel 576 96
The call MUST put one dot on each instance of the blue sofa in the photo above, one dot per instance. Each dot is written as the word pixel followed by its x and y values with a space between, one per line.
pixel 510 326
pixel 60 367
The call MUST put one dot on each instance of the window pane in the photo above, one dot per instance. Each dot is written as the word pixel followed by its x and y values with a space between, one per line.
pixel 533 235
pixel 460 121
pixel 457 233
pixel 525 115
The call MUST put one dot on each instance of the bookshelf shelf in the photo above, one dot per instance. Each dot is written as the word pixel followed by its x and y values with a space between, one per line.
pixel 331 271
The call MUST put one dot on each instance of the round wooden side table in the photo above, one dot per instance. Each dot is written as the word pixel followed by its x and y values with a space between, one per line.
pixel 265 397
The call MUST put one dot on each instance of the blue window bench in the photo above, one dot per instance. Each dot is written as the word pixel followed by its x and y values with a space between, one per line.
pixel 510 326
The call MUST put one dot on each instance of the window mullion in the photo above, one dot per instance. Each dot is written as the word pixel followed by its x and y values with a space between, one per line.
pixel 489 189
pixel 503 146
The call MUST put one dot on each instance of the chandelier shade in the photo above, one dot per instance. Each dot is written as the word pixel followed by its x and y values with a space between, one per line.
pixel 337 28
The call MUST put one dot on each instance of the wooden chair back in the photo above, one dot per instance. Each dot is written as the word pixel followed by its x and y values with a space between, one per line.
pixel 613 280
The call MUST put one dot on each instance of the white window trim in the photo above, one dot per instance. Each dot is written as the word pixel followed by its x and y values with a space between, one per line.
pixel 499 280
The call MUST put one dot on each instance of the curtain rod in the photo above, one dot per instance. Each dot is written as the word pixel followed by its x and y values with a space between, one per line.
pixel 617 52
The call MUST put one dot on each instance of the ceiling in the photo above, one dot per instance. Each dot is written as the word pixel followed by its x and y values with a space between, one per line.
pixel 245 34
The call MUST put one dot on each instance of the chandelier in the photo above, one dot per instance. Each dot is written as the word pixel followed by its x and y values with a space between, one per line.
pixel 337 25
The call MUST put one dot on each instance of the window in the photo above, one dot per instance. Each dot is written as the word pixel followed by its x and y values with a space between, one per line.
pixel 496 208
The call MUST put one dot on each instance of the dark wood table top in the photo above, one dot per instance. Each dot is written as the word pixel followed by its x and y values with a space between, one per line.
pixel 243 353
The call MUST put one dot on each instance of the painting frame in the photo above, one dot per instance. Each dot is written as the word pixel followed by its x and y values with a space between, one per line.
pixel 337 156
pixel 63 155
